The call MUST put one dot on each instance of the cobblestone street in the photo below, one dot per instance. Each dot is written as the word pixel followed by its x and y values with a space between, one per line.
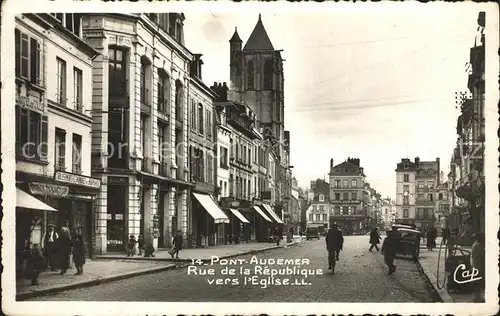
pixel 361 276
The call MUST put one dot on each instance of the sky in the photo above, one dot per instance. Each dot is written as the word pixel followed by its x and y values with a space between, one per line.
pixel 379 86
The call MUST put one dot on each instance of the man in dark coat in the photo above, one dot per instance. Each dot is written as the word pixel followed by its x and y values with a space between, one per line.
pixel 445 234
pixel 64 247
pixel 334 244
pixel 389 249
pixel 49 246
pixel 78 248
pixel 177 241
pixel 374 239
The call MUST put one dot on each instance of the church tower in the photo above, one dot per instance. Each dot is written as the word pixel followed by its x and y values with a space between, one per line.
pixel 257 73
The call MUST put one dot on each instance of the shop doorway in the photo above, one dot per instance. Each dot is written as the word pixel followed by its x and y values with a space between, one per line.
pixel 116 210
pixel 161 224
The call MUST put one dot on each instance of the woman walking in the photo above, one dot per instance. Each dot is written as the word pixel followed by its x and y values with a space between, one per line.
pixel 78 248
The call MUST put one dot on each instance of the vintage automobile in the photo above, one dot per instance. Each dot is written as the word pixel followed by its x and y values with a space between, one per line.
pixel 312 232
pixel 404 226
pixel 409 242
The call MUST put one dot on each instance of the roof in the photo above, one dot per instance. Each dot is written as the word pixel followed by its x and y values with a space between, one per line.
pixel 258 40
pixel 236 37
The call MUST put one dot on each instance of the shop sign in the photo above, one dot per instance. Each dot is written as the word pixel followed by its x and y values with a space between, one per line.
pixel 346 202
pixel 82 196
pixel 30 102
pixel 77 179
pixel 48 189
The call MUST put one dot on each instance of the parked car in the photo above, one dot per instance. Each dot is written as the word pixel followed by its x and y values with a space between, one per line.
pixel 312 232
pixel 405 226
pixel 409 242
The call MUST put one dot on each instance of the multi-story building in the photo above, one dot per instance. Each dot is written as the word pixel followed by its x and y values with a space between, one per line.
pixel 140 130
pixel 256 75
pixel 348 209
pixel 442 210
pixel 53 80
pixel 416 191
pixel 320 189
pixel 387 213
pixel 206 228
pixel 295 206
pixel 253 204
pixel 317 215
pixel 467 176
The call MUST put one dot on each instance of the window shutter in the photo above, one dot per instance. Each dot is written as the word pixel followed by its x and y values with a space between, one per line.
pixel 45 137
pixel 34 60
pixel 18 52
pixel 18 127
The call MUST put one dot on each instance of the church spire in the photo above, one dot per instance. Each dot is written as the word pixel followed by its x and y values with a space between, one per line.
pixel 236 37
pixel 258 40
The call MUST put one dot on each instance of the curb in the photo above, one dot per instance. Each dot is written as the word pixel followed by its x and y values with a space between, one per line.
pixel 189 260
pixel 441 293
pixel 88 283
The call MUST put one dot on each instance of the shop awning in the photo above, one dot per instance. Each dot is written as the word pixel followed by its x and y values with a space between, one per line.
pixel 262 214
pixel 26 200
pixel 239 215
pixel 212 208
pixel 272 213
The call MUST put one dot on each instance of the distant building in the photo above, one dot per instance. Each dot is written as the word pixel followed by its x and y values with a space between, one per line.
pixel 347 182
pixel 317 215
pixel 416 191
pixel 321 190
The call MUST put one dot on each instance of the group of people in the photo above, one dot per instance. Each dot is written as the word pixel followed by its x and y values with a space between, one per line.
pixel 55 252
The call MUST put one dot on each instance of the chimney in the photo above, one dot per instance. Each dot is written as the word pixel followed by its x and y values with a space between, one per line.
pixel 417 161
pixel 331 164
pixel 439 170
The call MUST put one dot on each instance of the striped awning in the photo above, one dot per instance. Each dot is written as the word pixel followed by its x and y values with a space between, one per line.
pixel 212 208
pixel 258 210
pixel 271 212
pixel 25 200
pixel 239 215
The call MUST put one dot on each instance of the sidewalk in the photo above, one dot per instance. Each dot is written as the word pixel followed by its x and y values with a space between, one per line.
pixel 95 272
pixel 429 262
pixel 205 254
pixel 106 268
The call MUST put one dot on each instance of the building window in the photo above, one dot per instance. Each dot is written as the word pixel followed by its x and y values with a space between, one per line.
pixel 249 187
pixel 163 91
pixel 209 123
pixel 345 183
pixel 406 188
pixel 200 118
pixel 223 157
pixel 420 184
pixel 61 82
pixel 337 196
pixel 406 178
pixel 354 196
pixel 337 184
pixel 193 115
pixel 60 149
pixel 163 21
pixel 325 218
pixel 144 82
pixel 117 72
pixel 143 135
pixel 178 100
pixel 405 213
pixel 322 208
pixel 440 196
pixel 244 189
pixel 337 210
pixel 231 184
pixel 268 74
pixel 77 154
pixel 31 134
pixel 345 196
pixel 318 217
pixel 161 141
pixel 77 89
pixel 311 217
pixel 28 57
pixel 406 200
pixel 321 198
pixel 209 168
pixel 250 75
pixel 354 183
pixel 420 196
pixel 430 184
pixel 249 156
pixel 315 207
pixel 345 210
pixel 430 197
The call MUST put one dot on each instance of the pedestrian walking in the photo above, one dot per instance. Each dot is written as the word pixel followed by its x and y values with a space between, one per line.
pixel 334 244
pixel 277 236
pixel 78 250
pixel 130 246
pixel 63 244
pixel 177 242
pixel 140 243
pixel 49 246
pixel 388 249
pixel 478 262
pixel 431 238
pixel 374 239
